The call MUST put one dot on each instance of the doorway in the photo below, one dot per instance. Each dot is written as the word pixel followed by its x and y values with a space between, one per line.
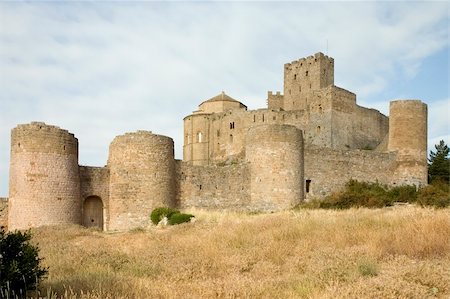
pixel 93 212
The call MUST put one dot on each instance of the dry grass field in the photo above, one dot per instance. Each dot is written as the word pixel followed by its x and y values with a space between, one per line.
pixel 400 252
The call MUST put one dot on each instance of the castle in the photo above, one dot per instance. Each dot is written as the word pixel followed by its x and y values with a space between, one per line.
pixel 307 143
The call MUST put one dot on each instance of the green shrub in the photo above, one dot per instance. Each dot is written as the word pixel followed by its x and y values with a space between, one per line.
pixel 363 194
pixel 178 218
pixel 437 195
pixel 20 268
pixel 405 193
pixel 159 213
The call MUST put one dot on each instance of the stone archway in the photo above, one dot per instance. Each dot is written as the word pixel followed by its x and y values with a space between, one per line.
pixel 93 212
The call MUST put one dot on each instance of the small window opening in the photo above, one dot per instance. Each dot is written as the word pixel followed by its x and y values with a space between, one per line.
pixel 231 138
pixel 310 85
pixel 315 60
pixel 306 74
pixel 318 129
pixel 320 109
pixel 218 133
pixel 295 76
pixel 64 148
pixel 18 144
pixel 231 125
pixel 200 187
pixel 254 118
pixel 308 183
pixel 263 117
pixel 199 137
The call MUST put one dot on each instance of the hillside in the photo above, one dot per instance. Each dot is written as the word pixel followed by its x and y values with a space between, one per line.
pixel 400 252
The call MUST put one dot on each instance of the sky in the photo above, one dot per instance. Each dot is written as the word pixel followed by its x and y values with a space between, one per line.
pixel 100 69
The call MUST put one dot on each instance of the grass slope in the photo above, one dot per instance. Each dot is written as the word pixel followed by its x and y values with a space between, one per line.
pixel 401 252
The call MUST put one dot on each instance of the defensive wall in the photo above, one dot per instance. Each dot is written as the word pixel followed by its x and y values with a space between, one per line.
pixel 306 144
pixel 4 212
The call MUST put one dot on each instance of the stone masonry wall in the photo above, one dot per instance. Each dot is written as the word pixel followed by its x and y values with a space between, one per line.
pixel 44 177
pixel 95 182
pixel 213 187
pixel 4 212
pixel 275 155
pixel 408 136
pixel 329 169
pixel 142 177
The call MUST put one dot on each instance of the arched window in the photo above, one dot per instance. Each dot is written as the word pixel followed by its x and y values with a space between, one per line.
pixel 199 137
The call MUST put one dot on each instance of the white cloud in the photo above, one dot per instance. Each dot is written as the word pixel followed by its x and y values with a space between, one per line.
pixel 101 69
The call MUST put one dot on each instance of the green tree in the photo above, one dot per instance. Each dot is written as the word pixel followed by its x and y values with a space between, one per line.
pixel 20 268
pixel 439 163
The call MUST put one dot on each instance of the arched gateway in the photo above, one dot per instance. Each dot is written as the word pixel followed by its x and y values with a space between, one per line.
pixel 93 212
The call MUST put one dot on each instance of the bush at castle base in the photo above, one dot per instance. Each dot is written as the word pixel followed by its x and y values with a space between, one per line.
pixel 19 264
pixel 173 216
pixel 159 213
pixel 374 195
pixel 178 218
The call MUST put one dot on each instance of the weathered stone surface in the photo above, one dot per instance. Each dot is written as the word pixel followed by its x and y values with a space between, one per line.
pixel 308 143
pixel 44 178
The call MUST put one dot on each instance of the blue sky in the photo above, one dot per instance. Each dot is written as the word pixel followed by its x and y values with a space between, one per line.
pixel 100 69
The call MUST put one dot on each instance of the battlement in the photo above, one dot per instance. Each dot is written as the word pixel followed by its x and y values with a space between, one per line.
pixel 312 59
pixel 36 126
pixel 40 137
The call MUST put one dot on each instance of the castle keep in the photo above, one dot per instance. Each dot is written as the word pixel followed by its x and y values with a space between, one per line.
pixel 309 141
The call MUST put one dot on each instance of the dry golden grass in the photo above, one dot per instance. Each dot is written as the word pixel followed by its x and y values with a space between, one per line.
pixel 401 252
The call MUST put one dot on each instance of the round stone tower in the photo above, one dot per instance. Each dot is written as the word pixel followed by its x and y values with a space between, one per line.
pixel 275 153
pixel 142 177
pixel 44 181
pixel 408 136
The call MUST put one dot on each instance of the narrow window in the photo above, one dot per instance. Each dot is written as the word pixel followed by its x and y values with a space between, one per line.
pixel 231 125
pixel 310 85
pixel 295 76
pixel 200 186
pixel 289 91
pixel 306 74
pixel 199 137
pixel 231 138
pixel 263 118
pixel 308 183
pixel 254 118
pixel 318 129
pixel 300 89
pixel 218 133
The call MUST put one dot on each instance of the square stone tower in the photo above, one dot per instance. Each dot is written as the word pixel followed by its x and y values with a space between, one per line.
pixel 304 76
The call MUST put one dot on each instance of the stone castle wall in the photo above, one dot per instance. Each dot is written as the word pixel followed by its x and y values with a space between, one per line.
pixel 4 212
pixel 408 136
pixel 142 177
pixel 215 187
pixel 94 196
pixel 307 144
pixel 329 169
pixel 275 155
pixel 44 177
